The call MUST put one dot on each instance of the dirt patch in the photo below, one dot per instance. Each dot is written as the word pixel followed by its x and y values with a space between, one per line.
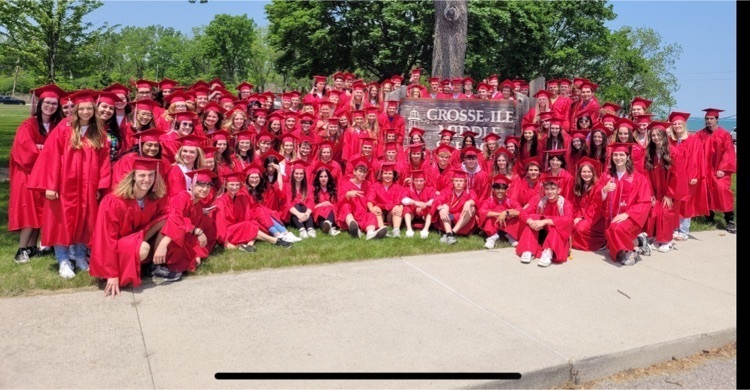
pixel 4 174
pixel 669 367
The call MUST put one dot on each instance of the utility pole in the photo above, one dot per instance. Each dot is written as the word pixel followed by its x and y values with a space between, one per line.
pixel 15 79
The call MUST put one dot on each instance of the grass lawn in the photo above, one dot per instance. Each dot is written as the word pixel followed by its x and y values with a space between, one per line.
pixel 40 275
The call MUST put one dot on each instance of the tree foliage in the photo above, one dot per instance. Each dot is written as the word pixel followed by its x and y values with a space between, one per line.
pixel 47 35
pixel 228 43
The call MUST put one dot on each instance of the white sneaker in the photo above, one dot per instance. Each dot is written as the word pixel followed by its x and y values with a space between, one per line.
pixel 665 247
pixel 303 233
pixel 512 241
pixel 370 235
pixel 444 238
pixel 424 234
pixel 409 233
pixel 526 257
pixel 66 270
pixel 490 242
pixel 396 233
pixel 82 264
pixel 289 237
pixel 546 258
pixel 334 232
pixel 311 233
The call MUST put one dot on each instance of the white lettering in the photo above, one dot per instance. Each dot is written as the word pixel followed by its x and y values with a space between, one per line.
pixel 431 114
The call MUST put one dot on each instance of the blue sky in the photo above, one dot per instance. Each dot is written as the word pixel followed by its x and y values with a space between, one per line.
pixel 706 30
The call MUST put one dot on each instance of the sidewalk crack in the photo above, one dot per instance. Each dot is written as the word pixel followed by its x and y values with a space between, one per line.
pixel 143 339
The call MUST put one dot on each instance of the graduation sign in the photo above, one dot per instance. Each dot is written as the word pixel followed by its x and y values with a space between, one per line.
pixel 459 115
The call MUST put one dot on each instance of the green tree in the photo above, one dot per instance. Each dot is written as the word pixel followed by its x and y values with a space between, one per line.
pixel 228 43
pixel 374 38
pixel 46 35
pixel 261 66
pixel 640 64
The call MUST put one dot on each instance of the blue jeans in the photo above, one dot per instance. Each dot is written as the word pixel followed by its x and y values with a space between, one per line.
pixel 72 252
pixel 684 226
pixel 277 228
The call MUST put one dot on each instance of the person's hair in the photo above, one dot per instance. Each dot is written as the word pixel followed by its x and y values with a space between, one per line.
pixel 268 161
pixel 496 186
pixel 54 119
pixel 302 184
pixel 473 141
pixel 631 135
pixel 395 176
pixel 550 138
pixel 578 121
pixel 124 189
pixel 613 168
pixel 228 122
pixel 508 167
pixel 260 189
pixel 578 153
pixel 330 186
pixel 563 164
pixel 534 142
pixel 378 98
pixel 580 187
pixel 199 161
pixel 95 135
pixel 218 124
pixel 250 153
pixel 225 156
pixel 601 156
pixel 663 151
pixel 113 128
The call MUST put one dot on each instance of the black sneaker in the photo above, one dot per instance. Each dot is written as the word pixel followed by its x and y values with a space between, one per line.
pixel 22 256
pixel 282 243
pixel 162 273
pixel 381 233
pixel 354 229
pixel 32 250
pixel 731 228
pixel 248 248
pixel 326 227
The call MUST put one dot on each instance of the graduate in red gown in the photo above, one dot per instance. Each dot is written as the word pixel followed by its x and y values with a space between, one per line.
pixel 258 190
pixel 244 154
pixel 384 198
pixel 325 198
pixel 142 119
pixel 587 105
pixel 224 161
pixel 555 139
pixel 417 200
pixel 188 157
pixel 390 119
pixel 721 163
pixel 235 227
pixel 147 145
pixel 560 104
pixel 128 226
pixel 588 217
pixel 693 159
pixel 626 205
pixel 352 206
pixel 498 214
pixel 442 168
pixel 528 145
pixel 299 199
pixel 455 209
pixel 477 179
pixel 190 241
pixel 25 206
pixel 527 186
pixel 183 124
pixel 547 224
pixel 72 168
pixel 666 173
pixel 326 153
pixel 557 167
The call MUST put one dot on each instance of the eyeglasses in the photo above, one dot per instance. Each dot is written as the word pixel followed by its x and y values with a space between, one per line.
pixel 306 122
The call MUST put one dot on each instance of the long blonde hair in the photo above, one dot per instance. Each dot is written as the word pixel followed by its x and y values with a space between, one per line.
pixel 125 190
pixel 95 134
pixel 200 161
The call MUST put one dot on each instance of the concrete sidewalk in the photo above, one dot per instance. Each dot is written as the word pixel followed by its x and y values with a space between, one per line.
pixel 481 311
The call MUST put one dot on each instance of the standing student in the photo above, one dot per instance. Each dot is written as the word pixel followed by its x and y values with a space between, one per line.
pixel 25 206
pixel 588 221
pixel 72 168
pixel 693 159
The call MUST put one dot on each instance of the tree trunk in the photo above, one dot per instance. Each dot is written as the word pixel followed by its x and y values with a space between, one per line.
pixel 449 53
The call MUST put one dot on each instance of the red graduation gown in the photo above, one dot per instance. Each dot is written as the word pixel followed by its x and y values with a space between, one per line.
pixel 694 160
pixel 427 194
pixel 176 180
pixel 561 107
pixel 25 206
pixel 718 149
pixel 385 198
pixel 76 175
pixel 124 165
pixel 121 226
pixel 297 199
pixel 323 211
pixel 456 204
pixel 233 224
pixel 671 183
pixel 357 206
pixel 588 233
pixel 632 195
pixel 521 191
pixel 184 248
pixel 169 146
pixel 558 234
pixel 397 122
pixel 490 225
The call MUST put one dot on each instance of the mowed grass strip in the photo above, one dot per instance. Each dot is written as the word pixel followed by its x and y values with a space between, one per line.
pixel 40 275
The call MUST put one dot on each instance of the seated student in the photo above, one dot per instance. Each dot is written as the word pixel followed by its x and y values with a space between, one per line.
pixel 477 179
pixel 456 209
pixel 325 198
pixel 128 224
pixel 258 190
pixel 384 198
pixel 442 168
pixel 498 214
pixel 588 221
pixel 352 206
pixel 557 167
pixel 189 157
pixel 525 187
pixel 626 205
pixel 235 228
pixel 299 206
pixel 190 241
pixel 548 224
pixel 417 201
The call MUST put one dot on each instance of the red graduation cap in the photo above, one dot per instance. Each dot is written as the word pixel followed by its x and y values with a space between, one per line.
pixel 330 93
pixel 149 135
pixel 552 82
pixel 167 84
pixel 244 86
pixel 201 175
pixel 484 86
pixel 468 79
pixel 580 134
pixel 416 148
pixel 349 76
pixel 446 132
pixel 290 115
pixel 144 105
pixel 556 152
pixel 368 141
pixel 506 84
pixel 549 179
pixel 234 177
pixel 564 81
pixel 372 110
pixel 320 79
pixel 359 85
pixel 338 75
pixel 145 164
pixel 416 130
pixel 327 103
pixel 199 91
pixel 299 164
pixel 208 152
pixel 492 77
pixel 491 137
pixel 609 118
pixel 501 150
pixel 321 165
pixel 530 126
pixel 303 139
pixel 639 101
pixel 555 121
pixel 391 146
pixel 542 93
pixel 333 121
pixel 176 97
pixel 459 174
pixel 360 161
pixel 254 168
pixel 263 136
pixel 445 82
pixel 392 103
pixel 260 112
pixel 620 147
pixel 276 116
pixel 518 82
pixel 600 127
pixel 611 107
pixel 501 179
pixel 287 138
pixel 305 117
pixel 417 174
pixel 546 115
pixel 625 122
pixel 191 140
pixel 532 161
pixel 325 144
pixel 388 166
pixel 117 88
pixel 200 84
pixel 470 151
pixel 143 83
pixel 272 153
pixel 578 81
pixel 678 116
pixel 416 71
pixel 107 98
pixel 659 125
pixel 398 78
pixel 443 148
pixel 595 165
pixel 358 114
pixel 513 140
pixel 219 135
pixel 646 118
pixel 590 85
pixel 469 133
pixel 713 112
pixel 213 106
pixel 49 91
pixel 185 116
pixel 246 135
pixel 215 82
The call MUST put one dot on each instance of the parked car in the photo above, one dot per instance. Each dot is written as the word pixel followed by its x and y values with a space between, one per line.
pixel 734 135
pixel 10 100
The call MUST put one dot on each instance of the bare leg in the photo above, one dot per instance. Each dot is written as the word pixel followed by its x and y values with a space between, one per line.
pixel 466 215
pixel 145 249
pixel 427 223
pixel 407 220
pixel 265 237
pixel 397 216
pixel 154 229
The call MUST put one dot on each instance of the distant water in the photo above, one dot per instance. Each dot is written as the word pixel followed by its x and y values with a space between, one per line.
pixel 695 124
